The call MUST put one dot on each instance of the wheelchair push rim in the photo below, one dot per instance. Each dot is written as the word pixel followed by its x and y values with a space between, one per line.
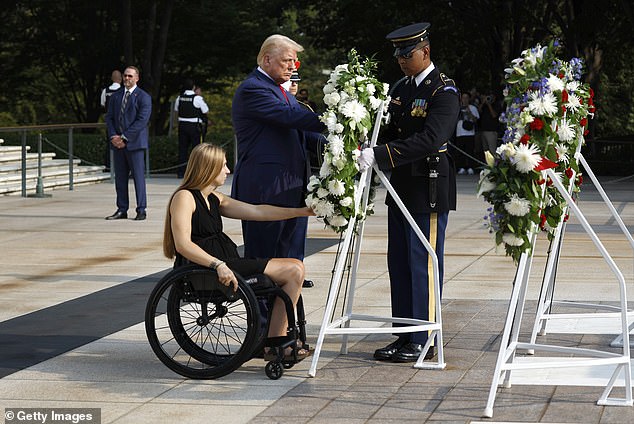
pixel 198 327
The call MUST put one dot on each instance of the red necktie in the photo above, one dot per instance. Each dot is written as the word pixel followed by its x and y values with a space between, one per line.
pixel 284 93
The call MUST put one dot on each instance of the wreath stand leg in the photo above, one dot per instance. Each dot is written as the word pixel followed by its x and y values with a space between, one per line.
pixel 545 304
pixel 586 357
pixel 341 325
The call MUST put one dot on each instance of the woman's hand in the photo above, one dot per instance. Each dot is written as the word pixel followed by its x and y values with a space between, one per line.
pixel 226 276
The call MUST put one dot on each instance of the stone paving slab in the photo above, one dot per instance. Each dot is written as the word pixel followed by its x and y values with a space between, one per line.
pixel 59 249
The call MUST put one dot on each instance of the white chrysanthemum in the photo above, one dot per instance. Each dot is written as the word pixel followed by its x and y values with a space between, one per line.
pixel 354 110
pixel 338 221
pixel 526 157
pixel 324 208
pixel 565 130
pixel 517 206
pixel 339 128
pixel 336 187
pixel 371 89
pixel 332 99
pixel 335 144
pixel 346 201
pixel 572 86
pixel 562 152
pixel 506 151
pixel 542 105
pixel 555 83
pixel 574 102
pixel 330 119
pixel 512 240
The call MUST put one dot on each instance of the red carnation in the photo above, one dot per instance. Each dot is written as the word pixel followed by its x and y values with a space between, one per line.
pixel 537 124
pixel 542 222
pixel 549 182
pixel 564 96
pixel 591 109
pixel 586 132
pixel 583 122
pixel 566 216
pixel 561 75
pixel 579 180
pixel 568 172
pixel 541 181
pixel 563 109
pixel 591 93
pixel 525 138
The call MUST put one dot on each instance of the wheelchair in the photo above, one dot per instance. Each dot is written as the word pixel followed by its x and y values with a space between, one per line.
pixel 202 329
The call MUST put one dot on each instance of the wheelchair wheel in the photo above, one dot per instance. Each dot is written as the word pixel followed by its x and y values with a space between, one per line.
pixel 198 327
pixel 274 370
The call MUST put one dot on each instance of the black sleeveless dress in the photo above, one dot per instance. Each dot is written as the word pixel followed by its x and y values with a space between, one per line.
pixel 207 233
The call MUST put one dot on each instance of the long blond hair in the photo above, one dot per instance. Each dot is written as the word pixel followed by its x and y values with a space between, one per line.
pixel 203 167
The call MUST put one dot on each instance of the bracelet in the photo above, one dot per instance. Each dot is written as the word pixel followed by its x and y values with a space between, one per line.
pixel 215 265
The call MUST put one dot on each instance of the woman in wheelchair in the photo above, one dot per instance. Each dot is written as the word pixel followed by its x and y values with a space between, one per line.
pixel 193 234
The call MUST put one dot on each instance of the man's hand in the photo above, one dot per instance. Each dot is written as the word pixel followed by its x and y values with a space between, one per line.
pixel 117 142
pixel 366 159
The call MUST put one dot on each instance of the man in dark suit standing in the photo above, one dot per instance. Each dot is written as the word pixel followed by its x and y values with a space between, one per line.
pixel 127 120
pixel 424 109
pixel 273 134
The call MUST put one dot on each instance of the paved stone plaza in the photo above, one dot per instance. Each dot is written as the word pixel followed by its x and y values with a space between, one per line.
pixel 73 289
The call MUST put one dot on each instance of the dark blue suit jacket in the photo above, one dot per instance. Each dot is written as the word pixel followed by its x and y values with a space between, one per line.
pixel 272 138
pixel 135 118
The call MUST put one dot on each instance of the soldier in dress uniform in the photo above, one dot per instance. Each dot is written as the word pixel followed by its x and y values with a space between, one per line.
pixel 424 110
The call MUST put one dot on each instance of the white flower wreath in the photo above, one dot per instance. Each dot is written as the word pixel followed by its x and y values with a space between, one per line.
pixel 352 96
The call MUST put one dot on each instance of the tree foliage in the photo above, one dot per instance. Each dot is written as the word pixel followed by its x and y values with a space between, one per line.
pixel 57 56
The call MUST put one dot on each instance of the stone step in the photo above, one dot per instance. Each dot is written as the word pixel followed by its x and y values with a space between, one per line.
pixel 13 157
pixel 12 168
pixel 48 184
pixel 50 172
pixel 9 149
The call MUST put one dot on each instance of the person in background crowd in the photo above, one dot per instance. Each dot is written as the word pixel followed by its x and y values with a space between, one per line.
pixel 193 233
pixel 489 123
pixel 273 136
pixel 127 121
pixel 190 107
pixel 465 135
pixel 105 97
pixel 424 110
pixel 302 97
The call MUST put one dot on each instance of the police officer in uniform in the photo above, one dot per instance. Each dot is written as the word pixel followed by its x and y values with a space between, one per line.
pixel 191 109
pixel 424 110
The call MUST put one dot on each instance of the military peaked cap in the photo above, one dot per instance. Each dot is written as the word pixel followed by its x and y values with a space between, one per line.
pixel 406 38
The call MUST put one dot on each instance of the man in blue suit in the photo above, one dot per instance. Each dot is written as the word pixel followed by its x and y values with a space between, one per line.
pixel 273 134
pixel 127 120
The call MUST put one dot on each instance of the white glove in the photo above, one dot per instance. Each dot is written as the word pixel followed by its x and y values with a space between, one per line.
pixel 366 159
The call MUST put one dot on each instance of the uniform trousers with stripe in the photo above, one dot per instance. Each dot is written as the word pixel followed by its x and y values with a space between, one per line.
pixel 410 267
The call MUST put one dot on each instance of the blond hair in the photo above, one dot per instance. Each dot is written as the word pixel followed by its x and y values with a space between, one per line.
pixel 203 167
pixel 275 44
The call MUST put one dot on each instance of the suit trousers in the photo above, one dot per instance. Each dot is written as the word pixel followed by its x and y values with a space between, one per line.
pixel 128 162
pixel 275 239
pixel 411 269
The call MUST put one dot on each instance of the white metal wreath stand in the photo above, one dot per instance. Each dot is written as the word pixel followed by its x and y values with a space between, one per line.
pixel 510 344
pixel 341 325
pixel 546 299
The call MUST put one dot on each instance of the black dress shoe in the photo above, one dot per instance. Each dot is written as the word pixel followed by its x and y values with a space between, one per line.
pixel 411 352
pixel 386 353
pixel 140 216
pixel 118 215
pixel 308 284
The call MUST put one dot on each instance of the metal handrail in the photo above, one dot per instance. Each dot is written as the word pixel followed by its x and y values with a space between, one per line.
pixel 39 128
